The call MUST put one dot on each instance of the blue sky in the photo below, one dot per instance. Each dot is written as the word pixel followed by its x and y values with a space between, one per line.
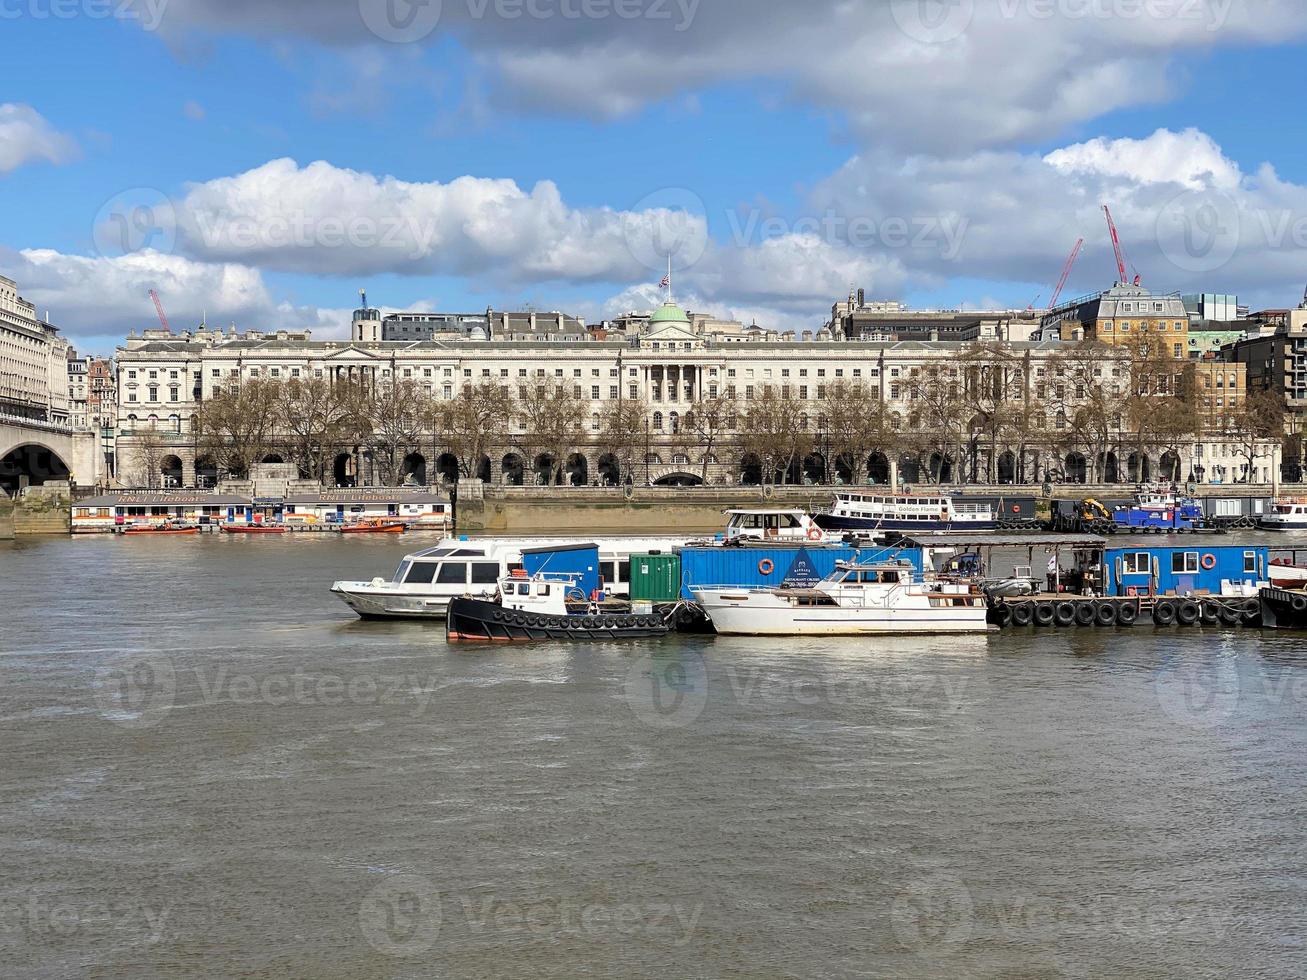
pixel 534 158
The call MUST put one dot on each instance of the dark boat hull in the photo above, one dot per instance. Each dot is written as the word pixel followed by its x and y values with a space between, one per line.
pixel 1283 609
pixel 477 621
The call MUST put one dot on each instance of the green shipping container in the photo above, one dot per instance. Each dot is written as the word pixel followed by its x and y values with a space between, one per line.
pixel 655 578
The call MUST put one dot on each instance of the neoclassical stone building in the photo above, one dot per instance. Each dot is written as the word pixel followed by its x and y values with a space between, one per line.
pixel 669 365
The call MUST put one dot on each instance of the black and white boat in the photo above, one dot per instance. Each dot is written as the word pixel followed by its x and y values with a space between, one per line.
pixel 1284 609
pixel 546 606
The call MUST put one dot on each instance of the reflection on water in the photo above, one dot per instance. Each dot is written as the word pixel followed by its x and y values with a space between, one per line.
pixel 212 768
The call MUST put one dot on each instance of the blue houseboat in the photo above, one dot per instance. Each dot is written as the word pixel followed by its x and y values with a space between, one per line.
pixel 1177 571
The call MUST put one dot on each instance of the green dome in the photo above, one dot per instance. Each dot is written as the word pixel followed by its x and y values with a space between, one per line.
pixel 669 313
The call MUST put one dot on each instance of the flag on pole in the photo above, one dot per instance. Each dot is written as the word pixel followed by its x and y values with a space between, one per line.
pixel 667 281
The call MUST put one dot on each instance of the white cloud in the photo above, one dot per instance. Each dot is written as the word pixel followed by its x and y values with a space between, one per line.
pixel 27 137
pixel 995 73
pixel 1190 158
pixel 193 111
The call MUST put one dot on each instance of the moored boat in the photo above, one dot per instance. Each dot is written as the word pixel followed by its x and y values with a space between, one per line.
pixel 1285 515
pixel 867 512
pixel 252 529
pixel 375 527
pixel 545 607
pixel 160 530
pixel 1284 609
pixel 855 599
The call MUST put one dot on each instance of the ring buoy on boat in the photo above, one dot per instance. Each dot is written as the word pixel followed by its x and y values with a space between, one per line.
pixel 814 534
pixel 766 566
pixel 1208 561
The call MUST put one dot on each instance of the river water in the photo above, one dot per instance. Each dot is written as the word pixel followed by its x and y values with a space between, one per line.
pixel 210 768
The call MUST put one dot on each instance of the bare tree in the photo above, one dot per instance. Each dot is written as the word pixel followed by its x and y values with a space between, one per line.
pixel 775 430
pixel 621 432
pixel 238 426
pixel 551 418
pixel 392 416
pixel 474 422
pixel 857 423
pixel 148 459
pixel 938 411
pixel 1258 419
pixel 316 416
pixel 709 420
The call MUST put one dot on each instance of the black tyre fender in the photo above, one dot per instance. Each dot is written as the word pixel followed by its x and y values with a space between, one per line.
pixel 1105 613
pixel 1085 614
pixel 1044 614
pixel 1163 614
pixel 1299 604
pixel 1064 614
pixel 1230 616
pixel 1210 612
pixel 1187 613
pixel 497 615
pixel 1001 615
pixel 1022 614
pixel 1127 615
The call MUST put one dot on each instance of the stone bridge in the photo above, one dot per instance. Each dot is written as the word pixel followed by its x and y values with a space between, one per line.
pixel 32 453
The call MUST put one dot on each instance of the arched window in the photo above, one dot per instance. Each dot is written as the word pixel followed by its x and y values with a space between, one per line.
pixel 175 423
pixel 131 421
pixel 680 459
pixel 653 459
pixel 675 422
pixel 154 421
pixel 658 421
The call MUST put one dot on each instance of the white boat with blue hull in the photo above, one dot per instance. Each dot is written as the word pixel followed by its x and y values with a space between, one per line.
pixel 855 599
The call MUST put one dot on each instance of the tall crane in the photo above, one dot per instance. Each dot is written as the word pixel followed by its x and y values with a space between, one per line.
pixel 163 317
pixel 1066 273
pixel 1116 247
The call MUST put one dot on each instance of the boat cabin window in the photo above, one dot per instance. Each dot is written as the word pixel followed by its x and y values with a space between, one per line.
pixel 422 573
pixel 1137 563
pixel 484 573
pixel 608 571
pixel 1184 563
pixel 453 573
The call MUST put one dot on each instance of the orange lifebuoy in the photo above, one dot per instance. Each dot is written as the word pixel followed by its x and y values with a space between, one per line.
pixel 1209 562
pixel 1016 508
pixel 814 534
pixel 766 566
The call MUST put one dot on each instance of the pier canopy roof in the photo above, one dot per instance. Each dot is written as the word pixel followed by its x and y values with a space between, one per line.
pixel 978 539
pixel 165 500
pixel 381 496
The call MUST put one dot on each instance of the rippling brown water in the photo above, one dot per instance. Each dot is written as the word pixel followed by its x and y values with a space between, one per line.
pixel 210 768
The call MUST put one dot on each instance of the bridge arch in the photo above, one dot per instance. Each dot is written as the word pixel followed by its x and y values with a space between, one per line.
pixel 31 464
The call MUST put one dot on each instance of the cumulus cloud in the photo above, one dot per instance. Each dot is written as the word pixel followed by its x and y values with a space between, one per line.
pixel 27 137
pixel 95 296
pixel 961 76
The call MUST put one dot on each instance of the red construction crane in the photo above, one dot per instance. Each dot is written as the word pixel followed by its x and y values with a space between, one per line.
pixel 1066 273
pixel 163 317
pixel 1116 247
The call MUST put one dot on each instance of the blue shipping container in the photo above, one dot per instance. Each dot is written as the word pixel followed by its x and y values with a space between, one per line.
pixel 581 561
pixel 774 567
pixel 1161 571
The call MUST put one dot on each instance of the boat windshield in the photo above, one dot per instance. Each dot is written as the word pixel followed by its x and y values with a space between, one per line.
pixel 402 573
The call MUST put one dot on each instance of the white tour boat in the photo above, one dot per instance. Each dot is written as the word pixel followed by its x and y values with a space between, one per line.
pixel 856 511
pixel 855 599
pixel 426 580
pixel 772 526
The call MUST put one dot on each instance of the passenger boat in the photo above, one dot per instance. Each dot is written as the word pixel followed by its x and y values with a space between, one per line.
pixel 1285 515
pixel 160 530
pixel 773 526
pixel 426 580
pixel 252 529
pixel 856 511
pixel 536 609
pixel 375 527
pixel 855 599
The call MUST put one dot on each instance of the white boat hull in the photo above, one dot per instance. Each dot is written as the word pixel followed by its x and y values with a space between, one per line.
pixel 372 602
pixel 736 613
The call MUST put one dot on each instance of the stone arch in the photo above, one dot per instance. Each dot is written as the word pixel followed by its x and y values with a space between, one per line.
pixel 1139 468
pixel 206 473
pixel 909 469
pixel 814 469
pixel 577 470
pixel 1168 467
pixel 1076 468
pixel 543 470
pixel 513 470
pixel 343 470
pixel 941 468
pixel 447 468
pixel 484 469
pixel 610 470
pixel 31 465
pixel 674 476
pixel 1007 467
pixel 272 458
pixel 750 470
pixel 878 468
pixel 1110 467
pixel 170 472
pixel 414 469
